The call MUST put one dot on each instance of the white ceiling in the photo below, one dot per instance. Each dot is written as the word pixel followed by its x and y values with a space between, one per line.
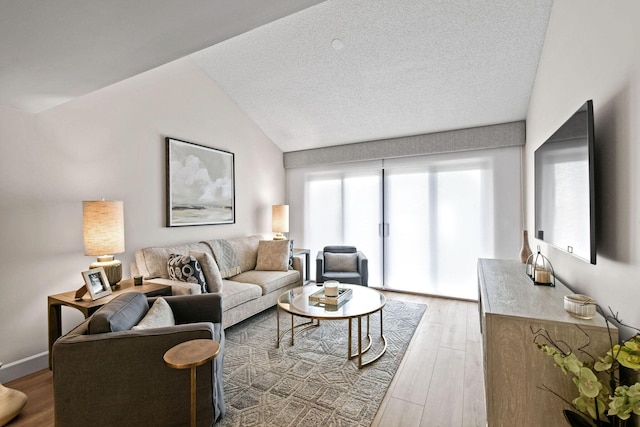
pixel 337 72
pixel 54 51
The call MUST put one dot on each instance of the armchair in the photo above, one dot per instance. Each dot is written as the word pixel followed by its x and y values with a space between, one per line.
pixel 105 374
pixel 342 263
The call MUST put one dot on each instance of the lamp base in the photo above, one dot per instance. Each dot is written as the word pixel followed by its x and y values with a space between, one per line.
pixel 112 268
pixel 279 236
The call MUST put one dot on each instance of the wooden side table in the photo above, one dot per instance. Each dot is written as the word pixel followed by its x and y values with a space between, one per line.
pixel 88 307
pixel 191 354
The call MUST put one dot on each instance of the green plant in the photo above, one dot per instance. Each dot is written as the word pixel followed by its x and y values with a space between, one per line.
pixel 602 400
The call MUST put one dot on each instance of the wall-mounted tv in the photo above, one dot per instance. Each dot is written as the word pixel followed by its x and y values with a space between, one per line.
pixel 564 187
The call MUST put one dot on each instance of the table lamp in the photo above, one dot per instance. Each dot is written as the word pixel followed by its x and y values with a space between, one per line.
pixel 103 231
pixel 280 221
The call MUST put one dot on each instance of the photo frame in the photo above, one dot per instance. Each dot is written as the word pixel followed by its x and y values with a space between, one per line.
pixel 96 283
pixel 200 185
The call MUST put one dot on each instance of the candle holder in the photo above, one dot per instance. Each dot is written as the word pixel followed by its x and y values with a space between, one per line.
pixel 539 269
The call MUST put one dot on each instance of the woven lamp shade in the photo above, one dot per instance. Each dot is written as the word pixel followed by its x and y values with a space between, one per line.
pixel 103 231
pixel 280 220
pixel 103 227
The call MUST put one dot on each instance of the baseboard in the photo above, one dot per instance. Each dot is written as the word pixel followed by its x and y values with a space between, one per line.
pixel 21 368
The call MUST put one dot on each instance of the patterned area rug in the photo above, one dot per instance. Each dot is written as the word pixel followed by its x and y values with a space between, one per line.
pixel 311 383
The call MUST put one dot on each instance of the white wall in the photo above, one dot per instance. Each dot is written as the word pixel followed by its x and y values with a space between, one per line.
pixel 592 51
pixel 111 144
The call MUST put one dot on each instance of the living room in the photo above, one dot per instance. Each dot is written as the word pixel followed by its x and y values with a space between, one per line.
pixel 110 143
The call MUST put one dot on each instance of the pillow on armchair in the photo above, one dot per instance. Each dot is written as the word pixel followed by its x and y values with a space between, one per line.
pixel 158 316
pixel 340 262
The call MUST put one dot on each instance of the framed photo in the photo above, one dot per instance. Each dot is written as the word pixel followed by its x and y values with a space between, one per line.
pixel 200 185
pixel 97 283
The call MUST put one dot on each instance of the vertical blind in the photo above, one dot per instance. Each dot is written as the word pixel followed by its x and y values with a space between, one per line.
pixel 422 221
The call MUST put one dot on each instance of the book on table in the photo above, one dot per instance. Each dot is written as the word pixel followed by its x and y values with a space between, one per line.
pixel 344 294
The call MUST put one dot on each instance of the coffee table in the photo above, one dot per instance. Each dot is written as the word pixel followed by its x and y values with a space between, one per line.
pixel 364 302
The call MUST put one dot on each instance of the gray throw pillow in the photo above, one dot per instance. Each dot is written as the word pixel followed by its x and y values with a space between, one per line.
pixel 340 262
pixel 186 268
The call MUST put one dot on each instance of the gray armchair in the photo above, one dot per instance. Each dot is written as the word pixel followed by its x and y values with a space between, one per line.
pixel 342 263
pixel 105 374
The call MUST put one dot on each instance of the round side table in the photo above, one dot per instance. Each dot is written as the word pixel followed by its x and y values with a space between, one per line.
pixel 191 354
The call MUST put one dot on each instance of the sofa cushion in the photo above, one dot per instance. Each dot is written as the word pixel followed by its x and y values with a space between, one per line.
pixel 246 249
pixel 340 262
pixel 159 315
pixel 210 270
pixel 268 281
pixel 236 293
pixel 186 268
pixel 152 261
pixel 119 314
pixel 273 255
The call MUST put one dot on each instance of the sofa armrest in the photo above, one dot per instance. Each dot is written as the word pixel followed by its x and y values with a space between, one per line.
pixel 363 268
pixel 133 268
pixel 177 287
pixel 319 267
pixel 195 308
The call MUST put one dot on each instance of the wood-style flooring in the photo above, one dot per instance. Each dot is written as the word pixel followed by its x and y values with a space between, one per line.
pixel 438 383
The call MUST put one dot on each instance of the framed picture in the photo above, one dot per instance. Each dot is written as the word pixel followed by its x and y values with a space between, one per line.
pixel 200 185
pixel 97 283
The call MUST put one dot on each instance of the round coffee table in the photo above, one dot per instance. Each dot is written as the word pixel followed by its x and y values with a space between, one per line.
pixel 364 301
pixel 191 354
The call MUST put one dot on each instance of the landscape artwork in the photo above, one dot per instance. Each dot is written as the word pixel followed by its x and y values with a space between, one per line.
pixel 200 185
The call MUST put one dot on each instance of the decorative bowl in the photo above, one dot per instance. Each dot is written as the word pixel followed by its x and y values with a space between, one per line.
pixel 581 306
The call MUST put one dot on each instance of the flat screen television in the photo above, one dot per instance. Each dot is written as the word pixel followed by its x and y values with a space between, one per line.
pixel 564 187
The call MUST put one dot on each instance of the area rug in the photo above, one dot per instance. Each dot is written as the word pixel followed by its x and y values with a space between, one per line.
pixel 311 383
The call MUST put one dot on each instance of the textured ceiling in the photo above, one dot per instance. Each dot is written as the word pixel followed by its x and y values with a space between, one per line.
pixel 54 51
pixel 359 70
pixel 326 73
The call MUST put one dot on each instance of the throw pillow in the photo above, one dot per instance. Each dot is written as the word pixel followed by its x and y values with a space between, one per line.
pixel 273 255
pixel 210 269
pixel 158 316
pixel 340 262
pixel 186 268
pixel 290 254
pixel 119 314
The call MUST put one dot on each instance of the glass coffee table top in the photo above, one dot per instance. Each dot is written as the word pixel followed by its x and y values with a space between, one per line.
pixel 363 301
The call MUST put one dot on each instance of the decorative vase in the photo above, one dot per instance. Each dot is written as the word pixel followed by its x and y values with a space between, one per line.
pixel 525 252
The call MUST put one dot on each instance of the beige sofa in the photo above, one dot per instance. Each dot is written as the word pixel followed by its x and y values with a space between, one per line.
pixel 243 295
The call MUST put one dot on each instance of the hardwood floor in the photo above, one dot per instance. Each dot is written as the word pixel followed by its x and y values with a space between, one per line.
pixel 439 381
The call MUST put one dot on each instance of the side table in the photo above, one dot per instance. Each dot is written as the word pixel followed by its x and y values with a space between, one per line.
pixel 191 354
pixel 88 307
pixel 307 255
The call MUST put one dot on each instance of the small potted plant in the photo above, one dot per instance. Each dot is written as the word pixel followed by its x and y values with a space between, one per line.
pixel 602 399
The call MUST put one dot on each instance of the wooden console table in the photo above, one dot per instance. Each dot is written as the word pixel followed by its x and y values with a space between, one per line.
pixel 88 307
pixel 510 306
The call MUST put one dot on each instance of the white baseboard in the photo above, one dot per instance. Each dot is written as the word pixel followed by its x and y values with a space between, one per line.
pixel 20 368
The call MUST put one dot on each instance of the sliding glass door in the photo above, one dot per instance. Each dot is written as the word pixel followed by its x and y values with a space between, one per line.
pixel 344 208
pixel 423 222
pixel 434 228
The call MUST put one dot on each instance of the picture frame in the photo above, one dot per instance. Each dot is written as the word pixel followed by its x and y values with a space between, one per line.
pixel 96 283
pixel 200 186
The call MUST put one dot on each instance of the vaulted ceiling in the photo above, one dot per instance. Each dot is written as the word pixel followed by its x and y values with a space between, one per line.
pixel 309 73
